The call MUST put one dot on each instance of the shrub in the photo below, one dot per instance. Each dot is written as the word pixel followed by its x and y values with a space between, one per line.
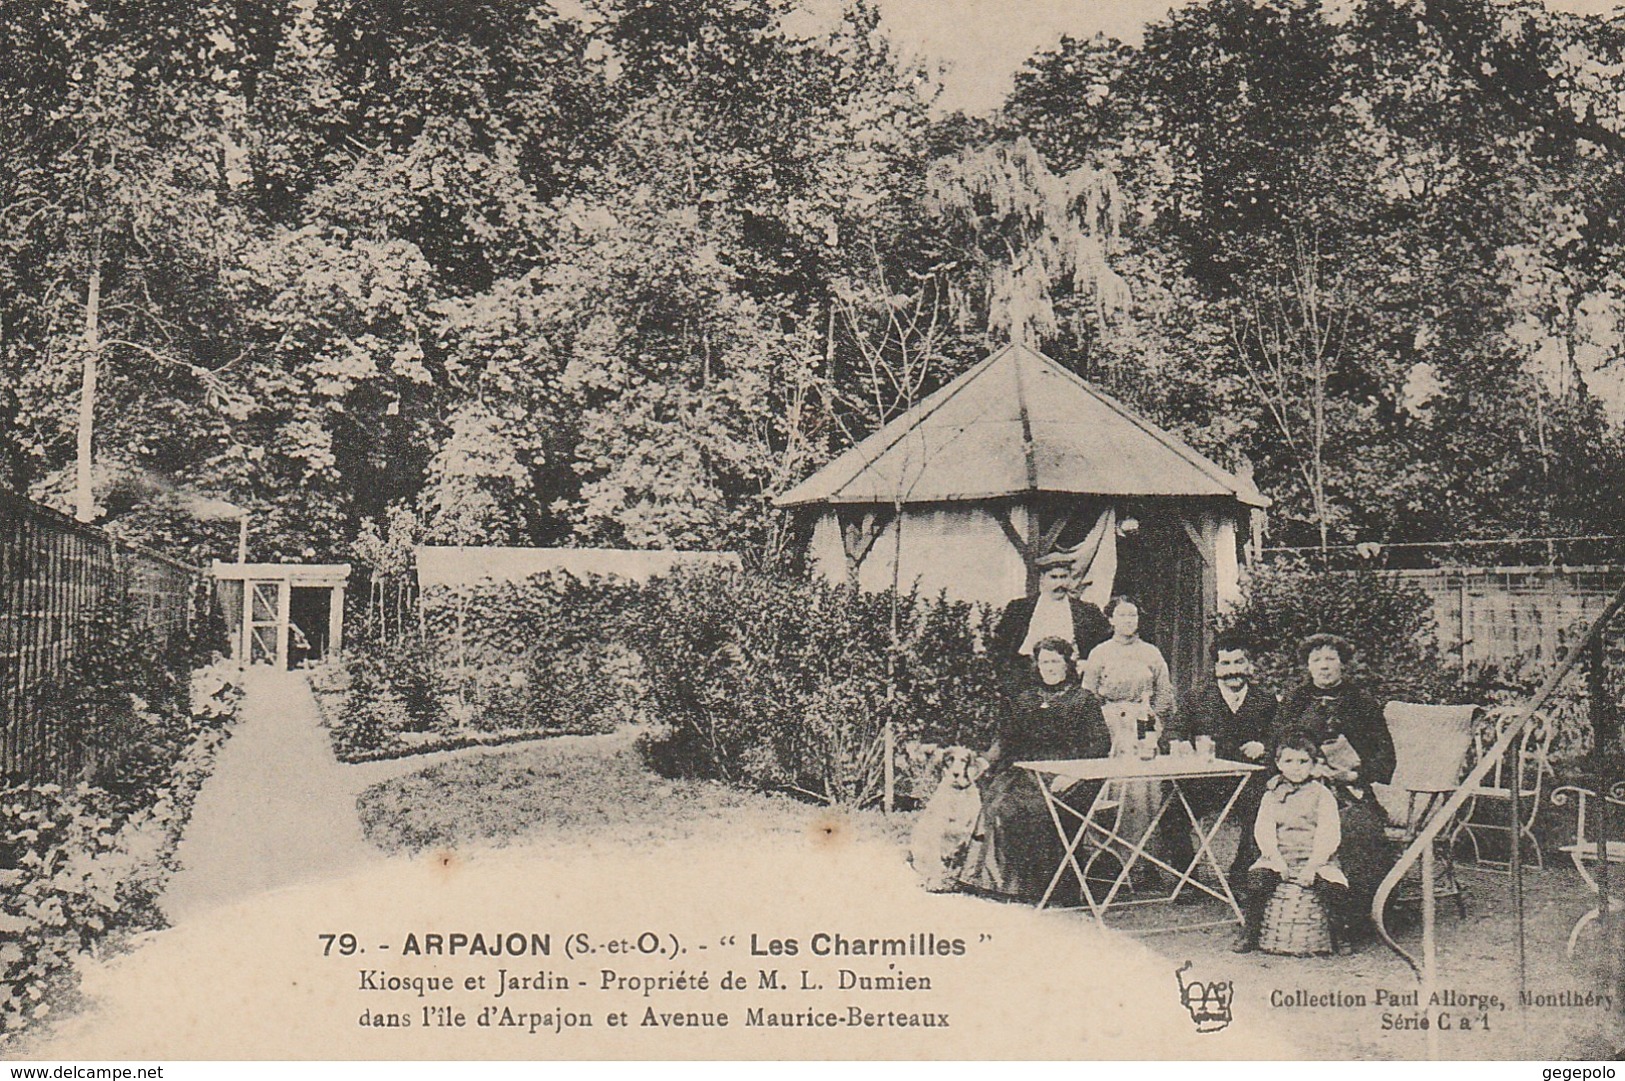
pixel 508 622
pixel 782 683
pixel 120 712
pixel 394 687
pixel 61 890
pixel 493 697
pixel 592 687
pixel 767 681
pixel 330 676
pixel 214 693
pixel 543 654
pixel 78 864
pixel 207 638
pixel 408 672
pixel 1389 621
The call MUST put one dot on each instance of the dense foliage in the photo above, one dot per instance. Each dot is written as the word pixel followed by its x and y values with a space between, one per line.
pixel 768 681
pixel 549 649
pixel 1388 621
pixel 493 663
pixel 1373 254
pixel 83 863
pixel 123 711
pixel 620 272
pixel 780 683
pixel 134 720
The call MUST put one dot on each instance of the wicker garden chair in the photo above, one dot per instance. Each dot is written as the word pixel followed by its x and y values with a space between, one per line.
pixel 1431 747
pixel 1587 851
pixel 1526 764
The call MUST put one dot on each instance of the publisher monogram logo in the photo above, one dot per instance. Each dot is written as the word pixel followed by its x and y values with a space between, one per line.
pixel 1208 1002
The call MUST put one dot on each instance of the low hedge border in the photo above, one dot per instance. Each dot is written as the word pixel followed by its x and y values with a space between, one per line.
pixel 330 706
pixel 460 743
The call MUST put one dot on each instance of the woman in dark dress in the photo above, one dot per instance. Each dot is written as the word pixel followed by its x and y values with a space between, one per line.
pixel 1015 849
pixel 1329 706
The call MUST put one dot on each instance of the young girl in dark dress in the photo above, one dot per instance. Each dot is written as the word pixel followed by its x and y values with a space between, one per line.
pixel 1015 849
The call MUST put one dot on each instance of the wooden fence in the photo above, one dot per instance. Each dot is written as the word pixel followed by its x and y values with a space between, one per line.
pixel 54 573
pixel 1514 615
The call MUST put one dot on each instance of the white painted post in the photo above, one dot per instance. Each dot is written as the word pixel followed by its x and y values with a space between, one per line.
pixel 335 622
pixel 284 616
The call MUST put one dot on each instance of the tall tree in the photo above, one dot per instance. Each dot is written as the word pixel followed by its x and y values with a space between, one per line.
pixel 111 207
pixel 1363 210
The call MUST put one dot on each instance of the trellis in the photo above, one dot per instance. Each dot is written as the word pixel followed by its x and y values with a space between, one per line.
pixel 54 574
pixel 1508 615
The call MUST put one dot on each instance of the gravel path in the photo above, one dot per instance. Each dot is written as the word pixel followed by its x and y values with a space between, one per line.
pixel 278 809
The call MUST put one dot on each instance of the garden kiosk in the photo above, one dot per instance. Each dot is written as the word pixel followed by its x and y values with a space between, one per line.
pixel 1019 457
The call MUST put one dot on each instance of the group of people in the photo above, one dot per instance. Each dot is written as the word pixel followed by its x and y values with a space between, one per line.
pixel 1083 684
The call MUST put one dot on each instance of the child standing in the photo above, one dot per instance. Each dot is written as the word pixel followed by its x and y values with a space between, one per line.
pixel 1298 835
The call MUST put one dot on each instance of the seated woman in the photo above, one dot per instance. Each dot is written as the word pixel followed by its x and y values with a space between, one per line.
pixel 1016 850
pixel 1347 725
pixel 1298 836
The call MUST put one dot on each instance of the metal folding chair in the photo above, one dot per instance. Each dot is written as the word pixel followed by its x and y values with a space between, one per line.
pixel 1527 765
pixel 1587 851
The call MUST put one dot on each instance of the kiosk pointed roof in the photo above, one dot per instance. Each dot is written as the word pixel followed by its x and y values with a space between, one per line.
pixel 1018 423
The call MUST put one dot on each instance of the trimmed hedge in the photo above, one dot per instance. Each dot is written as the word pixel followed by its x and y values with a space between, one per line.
pixel 501 662
pixel 771 682
pixel 788 684
pixel 547 653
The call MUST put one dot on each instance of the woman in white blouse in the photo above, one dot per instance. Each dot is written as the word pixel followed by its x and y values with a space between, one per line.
pixel 1131 677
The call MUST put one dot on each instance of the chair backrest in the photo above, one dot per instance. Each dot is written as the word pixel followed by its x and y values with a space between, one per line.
pixel 1532 753
pixel 1431 744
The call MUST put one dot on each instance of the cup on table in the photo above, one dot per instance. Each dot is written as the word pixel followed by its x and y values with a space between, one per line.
pixel 1181 748
pixel 1148 748
pixel 1204 747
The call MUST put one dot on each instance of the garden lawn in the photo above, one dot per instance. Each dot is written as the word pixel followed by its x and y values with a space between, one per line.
pixel 588 788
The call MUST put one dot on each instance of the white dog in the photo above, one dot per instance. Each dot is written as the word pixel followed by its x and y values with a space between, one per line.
pixel 942 832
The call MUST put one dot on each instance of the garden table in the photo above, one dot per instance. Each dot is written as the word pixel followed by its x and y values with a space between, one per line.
pixel 1093 824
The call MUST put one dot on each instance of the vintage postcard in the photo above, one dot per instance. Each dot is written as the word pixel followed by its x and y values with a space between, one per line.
pixel 811 529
